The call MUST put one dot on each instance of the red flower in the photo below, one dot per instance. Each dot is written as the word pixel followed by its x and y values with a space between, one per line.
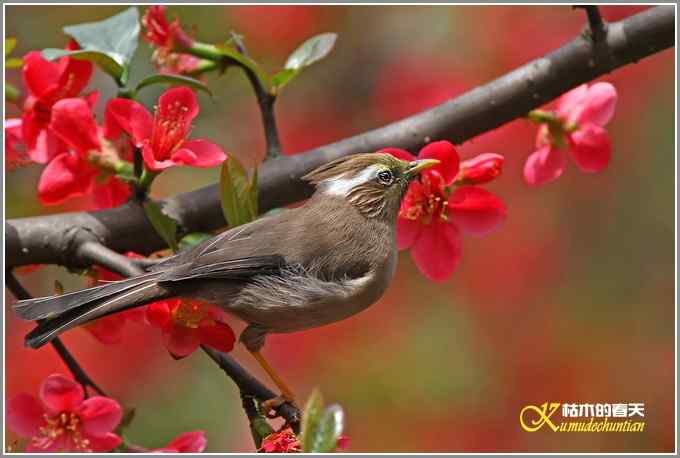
pixel 480 169
pixel 163 137
pixel 68 172
pixel 577 127
pixel 161 33
pixel 109 329
pixel 168 37
pixel 15 150
pixel 62 420
pixel 186 324
pixel 48 82
pixel 432 215
pixel 284 441
pixel 189 442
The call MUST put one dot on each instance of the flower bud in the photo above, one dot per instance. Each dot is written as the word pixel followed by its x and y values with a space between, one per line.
pixel 480 169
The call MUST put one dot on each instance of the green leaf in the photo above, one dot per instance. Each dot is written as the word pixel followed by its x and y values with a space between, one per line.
pixel 128 416
pixel 102 60
pixel 10 44
pixel 311 418
pixel 193 238
pixel 283 77
pixel 328 430
pixel 312 50
pixel 14 62
pixel 165 226
pixel 174 80
pixel 238 193
pixel 116 36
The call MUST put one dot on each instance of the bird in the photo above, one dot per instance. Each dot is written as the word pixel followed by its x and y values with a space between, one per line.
pixel 297 269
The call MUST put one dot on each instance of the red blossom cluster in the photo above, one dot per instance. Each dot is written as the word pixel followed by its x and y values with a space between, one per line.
pixel 444 203
pixel 61 419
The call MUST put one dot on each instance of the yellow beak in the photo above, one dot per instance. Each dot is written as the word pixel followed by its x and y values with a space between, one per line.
pixel 415 167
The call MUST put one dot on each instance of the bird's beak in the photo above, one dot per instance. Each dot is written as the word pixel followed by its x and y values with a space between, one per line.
pixel 415 167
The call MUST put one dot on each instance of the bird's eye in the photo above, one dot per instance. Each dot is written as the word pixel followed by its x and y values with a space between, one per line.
pixel 385 177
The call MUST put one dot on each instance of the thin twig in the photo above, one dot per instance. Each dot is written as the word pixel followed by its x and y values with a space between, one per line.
pixel 96 253
pixel 248 384
pixel 265 100
pixel 69 360
pixel 596 25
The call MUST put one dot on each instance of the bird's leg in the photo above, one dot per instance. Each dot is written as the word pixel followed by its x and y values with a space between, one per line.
pixel 286 393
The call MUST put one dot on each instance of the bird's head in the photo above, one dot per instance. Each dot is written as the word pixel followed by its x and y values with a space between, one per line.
pixel 373 182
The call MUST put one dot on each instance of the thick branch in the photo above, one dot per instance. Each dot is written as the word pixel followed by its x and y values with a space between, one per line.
pixel 69 360
pixel 49 239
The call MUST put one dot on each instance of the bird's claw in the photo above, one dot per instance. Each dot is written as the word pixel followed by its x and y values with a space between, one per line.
pixel 268 407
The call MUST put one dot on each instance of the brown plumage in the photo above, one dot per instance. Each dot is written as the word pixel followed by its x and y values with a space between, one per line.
pixel 299 268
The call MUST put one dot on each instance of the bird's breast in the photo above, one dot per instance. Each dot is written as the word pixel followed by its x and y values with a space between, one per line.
pixel 298 299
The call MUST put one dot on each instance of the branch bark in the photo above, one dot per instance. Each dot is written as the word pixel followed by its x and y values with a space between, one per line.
pixel 53 239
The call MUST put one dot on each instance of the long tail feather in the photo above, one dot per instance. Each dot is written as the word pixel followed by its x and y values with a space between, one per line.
pixel 130 297
pixel 45 307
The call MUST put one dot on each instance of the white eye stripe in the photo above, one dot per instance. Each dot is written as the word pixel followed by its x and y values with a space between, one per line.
pixel 340 186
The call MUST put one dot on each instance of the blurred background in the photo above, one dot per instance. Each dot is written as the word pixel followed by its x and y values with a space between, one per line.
pixel 572 300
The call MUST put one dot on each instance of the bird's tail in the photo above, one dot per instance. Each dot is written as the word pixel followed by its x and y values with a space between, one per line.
pixel 57 314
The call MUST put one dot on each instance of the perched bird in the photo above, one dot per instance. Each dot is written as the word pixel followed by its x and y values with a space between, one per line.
pixel 301 268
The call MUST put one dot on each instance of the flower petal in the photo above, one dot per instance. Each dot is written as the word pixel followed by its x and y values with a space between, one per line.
pixel 446 153
pixel 100 415
pixel 437 251
pixel 60 394
pixel 111 194
pixel 108 330
pixel 75 75
pixel 24 415
pixel 591 147
pixel 65 176
pixel 130 116
pixel 189 442
pixel 180 340
pixel 475 210
pixel 217 335
pixel 73 122
pixel 600 104
pixel 408 231
pixel 571 101
pixel 399 154
pixel 150 159
pixel 40 75
pixel 178 103
pixel 47 146
pixel 158 313
pixel 104 443
pixel 199 153
pixel 544 165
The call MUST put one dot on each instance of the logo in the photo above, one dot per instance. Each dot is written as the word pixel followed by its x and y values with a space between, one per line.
pixel 577 418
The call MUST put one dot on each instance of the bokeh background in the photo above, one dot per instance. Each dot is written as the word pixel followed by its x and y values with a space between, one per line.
pixel 571 301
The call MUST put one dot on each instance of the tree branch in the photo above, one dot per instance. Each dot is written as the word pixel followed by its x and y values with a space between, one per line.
pixel 50 239
pixel 69 360
pixel 596 25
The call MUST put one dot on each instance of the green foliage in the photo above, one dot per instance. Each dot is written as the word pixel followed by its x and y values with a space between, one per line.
pixel 193 238
pixel 238 193
pixel 309 52
pixel 230 52
pixel 321 427
pixel 173 80
pixel 165 226
pixel 110 43
pixel 12 62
